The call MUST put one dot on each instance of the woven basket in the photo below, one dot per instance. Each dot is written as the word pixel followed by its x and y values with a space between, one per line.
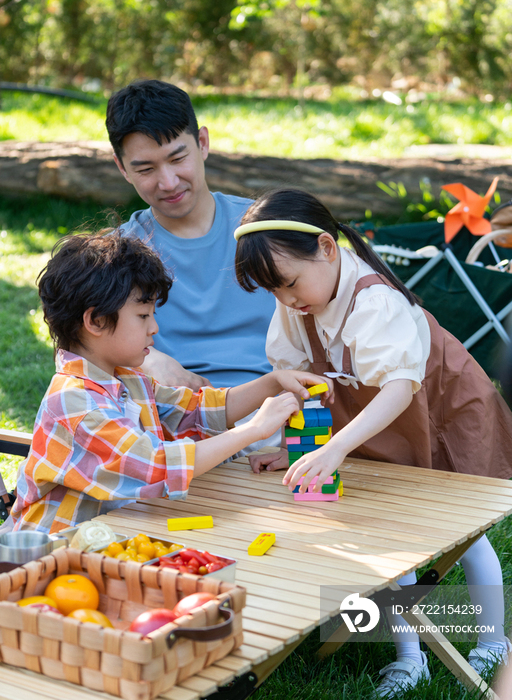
pixel 116 661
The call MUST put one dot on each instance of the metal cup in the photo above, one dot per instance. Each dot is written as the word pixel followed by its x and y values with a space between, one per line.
pixel 22 546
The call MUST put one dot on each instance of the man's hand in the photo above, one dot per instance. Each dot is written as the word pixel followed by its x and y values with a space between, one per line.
pixel 168 371
pixel 269 462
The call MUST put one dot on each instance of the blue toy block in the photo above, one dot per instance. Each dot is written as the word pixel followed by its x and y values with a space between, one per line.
pixel 324 416
pixel 311 418
pixel 307 440
pixel 302 448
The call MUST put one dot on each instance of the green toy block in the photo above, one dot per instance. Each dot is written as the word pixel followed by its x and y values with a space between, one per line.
pixel 332 488
pixel 293 432
pixel 294 456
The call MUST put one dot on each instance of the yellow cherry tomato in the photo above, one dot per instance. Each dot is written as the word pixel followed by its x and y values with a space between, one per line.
pixel 142 558
pixel 161 551
pixel 131 550
pixel 37 600
pixel 174 547
pixel 123 556
pixel 73 591
pixel 157 543
pixel 140 538
pixel 147 548
pixel 131 543
pixel 88 615
pixel 115 548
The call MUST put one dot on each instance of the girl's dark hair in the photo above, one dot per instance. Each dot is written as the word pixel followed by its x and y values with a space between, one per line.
pixel 100 271
pixel 254 262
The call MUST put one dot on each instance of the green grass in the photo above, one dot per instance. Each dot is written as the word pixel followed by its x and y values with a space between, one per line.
pixel 342 127
pixel 28 230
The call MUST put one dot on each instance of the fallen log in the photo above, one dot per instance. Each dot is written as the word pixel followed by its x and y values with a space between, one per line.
pixel 85 170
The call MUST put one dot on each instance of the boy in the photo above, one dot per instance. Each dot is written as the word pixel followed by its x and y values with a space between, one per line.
pixel 106 433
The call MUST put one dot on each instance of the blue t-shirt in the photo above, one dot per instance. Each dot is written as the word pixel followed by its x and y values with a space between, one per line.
pixel 209 324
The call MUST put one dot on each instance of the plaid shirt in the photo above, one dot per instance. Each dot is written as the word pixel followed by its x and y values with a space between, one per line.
pixel 91 451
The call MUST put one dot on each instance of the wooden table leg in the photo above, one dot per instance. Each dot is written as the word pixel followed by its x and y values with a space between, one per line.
pixel 442 566
pixel 446 652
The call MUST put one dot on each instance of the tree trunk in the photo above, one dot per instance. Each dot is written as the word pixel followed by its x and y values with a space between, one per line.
pixel 85 170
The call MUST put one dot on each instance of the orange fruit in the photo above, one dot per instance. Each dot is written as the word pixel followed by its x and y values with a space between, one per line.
pixel 37 600
pixel 88 615
pixel 72 591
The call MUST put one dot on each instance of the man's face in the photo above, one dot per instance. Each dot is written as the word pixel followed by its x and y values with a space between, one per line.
pixel 170 177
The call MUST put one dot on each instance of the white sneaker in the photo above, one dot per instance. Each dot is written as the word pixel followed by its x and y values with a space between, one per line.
pixel 400 676
pixel 484 661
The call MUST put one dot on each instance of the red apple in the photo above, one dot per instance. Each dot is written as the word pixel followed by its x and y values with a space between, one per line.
pixel 151 620
pixel 191 602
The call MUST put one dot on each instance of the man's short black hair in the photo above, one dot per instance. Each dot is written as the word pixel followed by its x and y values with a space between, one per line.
pixel 159 110
pixel 100 271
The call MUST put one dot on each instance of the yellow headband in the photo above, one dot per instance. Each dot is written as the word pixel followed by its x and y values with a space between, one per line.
pixel 276 225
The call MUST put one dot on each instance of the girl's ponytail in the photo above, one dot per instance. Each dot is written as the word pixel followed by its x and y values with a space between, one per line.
pixel 372 259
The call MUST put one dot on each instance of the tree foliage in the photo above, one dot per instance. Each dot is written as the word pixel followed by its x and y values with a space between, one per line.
pixel 269 43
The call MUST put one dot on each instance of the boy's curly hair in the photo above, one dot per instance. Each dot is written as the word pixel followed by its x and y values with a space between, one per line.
pixel 100 271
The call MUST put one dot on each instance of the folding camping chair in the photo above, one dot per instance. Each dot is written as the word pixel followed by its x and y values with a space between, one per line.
pixel 465 285
pixel 17 443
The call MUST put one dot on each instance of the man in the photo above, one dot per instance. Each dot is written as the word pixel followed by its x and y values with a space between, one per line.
pixel 216 332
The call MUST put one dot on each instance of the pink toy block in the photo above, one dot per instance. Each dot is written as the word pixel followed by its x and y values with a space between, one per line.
pixel 316 496
pixel 293 441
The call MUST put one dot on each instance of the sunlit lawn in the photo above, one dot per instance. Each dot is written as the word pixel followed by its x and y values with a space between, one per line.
pixel 30 227
pixel 338 128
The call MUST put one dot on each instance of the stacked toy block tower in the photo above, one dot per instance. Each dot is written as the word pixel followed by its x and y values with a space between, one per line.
pixel 306 432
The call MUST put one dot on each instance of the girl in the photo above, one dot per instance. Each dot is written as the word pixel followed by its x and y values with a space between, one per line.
pixel 406 392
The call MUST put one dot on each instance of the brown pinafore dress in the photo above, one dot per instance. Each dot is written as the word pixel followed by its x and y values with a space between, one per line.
pixel 456 422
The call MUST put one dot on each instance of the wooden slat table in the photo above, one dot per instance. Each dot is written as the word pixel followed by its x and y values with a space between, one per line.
pixel 391 520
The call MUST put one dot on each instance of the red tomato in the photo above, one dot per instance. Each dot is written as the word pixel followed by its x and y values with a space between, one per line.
pixel 190 554
pixel 151 620
pixel 214 566
pixel 210 558
pixel 191 602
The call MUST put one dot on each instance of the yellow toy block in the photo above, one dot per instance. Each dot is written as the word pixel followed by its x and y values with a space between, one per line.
pixel 198 523
pixel 318 389
pixel 340 489
pixel 322 439
pixel 261 543
pixel 297 421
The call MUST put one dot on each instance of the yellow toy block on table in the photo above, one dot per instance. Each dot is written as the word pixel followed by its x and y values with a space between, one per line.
pixel 261 544
pixel 297 421
pixel 318 389
pixel 198 523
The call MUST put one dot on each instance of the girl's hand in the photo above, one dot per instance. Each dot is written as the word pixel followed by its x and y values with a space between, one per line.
pixel 272 415
pixel 321 463
pixel 269 462
pixel 296 382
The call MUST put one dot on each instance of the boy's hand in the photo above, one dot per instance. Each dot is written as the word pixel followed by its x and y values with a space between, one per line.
pixel 269 462
pixel 272 414
pixel 295 381
pixel 168 371
pixel 320 463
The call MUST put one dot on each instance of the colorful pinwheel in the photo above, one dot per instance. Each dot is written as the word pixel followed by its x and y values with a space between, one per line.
pixel 469 212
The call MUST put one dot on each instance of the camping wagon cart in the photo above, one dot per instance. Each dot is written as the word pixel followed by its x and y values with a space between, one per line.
pixel 391 520
pixel 466 284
